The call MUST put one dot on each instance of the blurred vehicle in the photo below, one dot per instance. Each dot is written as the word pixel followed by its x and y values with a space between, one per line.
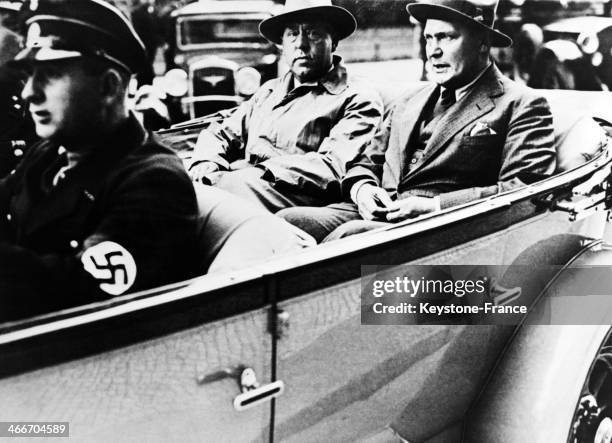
pixel 514 14
pixel 576 54
pixel 216 56
pixel 277 351
pixel 16 126
pixel 573 53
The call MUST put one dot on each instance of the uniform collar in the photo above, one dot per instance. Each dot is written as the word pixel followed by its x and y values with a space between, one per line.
pixel 128 136
pixel 128 133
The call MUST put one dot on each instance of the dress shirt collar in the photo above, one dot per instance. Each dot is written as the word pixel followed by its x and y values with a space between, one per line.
pixel 464 90
pixel 334 82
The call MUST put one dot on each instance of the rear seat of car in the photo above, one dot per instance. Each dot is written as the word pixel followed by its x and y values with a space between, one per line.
pixel 234 234
pixel 578 137
pixel 231 239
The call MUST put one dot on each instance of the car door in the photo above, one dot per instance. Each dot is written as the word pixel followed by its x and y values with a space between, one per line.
pixel 141 371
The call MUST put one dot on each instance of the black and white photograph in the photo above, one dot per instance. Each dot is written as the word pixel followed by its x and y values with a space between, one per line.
pixel 378 221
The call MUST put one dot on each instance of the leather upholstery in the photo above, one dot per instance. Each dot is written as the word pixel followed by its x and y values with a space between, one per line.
pixel 233 233
pixel 578 138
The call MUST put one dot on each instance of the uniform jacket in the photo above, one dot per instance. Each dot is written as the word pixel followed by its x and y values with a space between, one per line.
pixel 132 191
pixel 304 137
pixel 499 136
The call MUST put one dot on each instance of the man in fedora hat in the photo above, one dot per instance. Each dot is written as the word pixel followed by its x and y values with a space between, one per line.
pixel 97 208
pixel 468 134
pixel 292 142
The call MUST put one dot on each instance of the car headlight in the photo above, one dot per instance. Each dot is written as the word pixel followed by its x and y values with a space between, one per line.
pixel 179 59
pixel 589 43
pixel 269 59
pixel 597 59
pixel 247 81
pixel 176 83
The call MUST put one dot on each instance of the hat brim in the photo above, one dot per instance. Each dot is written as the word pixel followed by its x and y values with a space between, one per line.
pixel 30 55
pixel 343 22
pixel 10 6
pixel 424 11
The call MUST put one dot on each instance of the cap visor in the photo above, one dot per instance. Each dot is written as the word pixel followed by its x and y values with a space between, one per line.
pixel 44 54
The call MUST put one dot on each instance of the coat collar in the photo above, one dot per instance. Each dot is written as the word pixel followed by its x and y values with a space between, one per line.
pixel 334 81
pixel 477 102
pixel 84 181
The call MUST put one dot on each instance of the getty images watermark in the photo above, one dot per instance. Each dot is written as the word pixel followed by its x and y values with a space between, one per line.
pixel 480 294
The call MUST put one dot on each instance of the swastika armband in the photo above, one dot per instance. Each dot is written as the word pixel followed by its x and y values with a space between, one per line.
pixel 111 265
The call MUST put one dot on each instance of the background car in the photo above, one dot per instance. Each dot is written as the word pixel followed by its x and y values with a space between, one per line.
pixel 513 15
pixel 216 57
pixel 585 45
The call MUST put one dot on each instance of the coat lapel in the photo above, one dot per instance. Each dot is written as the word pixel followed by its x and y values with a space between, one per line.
pixel 80 188
pixel 407 121
pixel 471 107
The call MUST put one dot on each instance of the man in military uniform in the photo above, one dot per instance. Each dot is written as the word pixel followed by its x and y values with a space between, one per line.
pixel 97 208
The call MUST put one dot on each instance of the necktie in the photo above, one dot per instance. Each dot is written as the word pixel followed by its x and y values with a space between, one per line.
pixel 446 100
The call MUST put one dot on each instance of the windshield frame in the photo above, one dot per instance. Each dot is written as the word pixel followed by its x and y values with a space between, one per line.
pixel 181 21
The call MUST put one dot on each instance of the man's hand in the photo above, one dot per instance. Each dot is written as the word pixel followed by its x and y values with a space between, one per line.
pixel 372 202
pixel 240 164
pixel 199 171
pixel 410 207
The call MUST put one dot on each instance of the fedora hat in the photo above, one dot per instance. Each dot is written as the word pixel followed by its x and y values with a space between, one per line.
pixel 343 22
pixel 478 13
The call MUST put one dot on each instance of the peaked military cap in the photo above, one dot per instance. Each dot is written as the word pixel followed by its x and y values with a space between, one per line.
pixel 65 29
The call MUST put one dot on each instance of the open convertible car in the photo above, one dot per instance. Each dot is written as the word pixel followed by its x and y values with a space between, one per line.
pixel 277 351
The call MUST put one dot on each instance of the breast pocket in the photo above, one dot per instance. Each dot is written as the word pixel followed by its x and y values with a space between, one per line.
pixel 480 154
pixel 488 140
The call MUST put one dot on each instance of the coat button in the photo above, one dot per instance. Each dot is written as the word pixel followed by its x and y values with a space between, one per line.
pixel 74 244
pixel 18 152
pixel 413 161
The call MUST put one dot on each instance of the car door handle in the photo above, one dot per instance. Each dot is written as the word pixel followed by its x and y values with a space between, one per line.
pixel 252 394
pixel 256 396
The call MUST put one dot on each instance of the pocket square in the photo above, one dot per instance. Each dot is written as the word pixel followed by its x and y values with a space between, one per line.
pixel 482 128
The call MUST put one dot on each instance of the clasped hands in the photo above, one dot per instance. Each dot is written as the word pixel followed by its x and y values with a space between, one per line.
pixel 374 203
pixel 199 171
pixel 258 154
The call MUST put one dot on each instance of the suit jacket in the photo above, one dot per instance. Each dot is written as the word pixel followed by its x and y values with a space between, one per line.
pixel 461 163
pixel 131 191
